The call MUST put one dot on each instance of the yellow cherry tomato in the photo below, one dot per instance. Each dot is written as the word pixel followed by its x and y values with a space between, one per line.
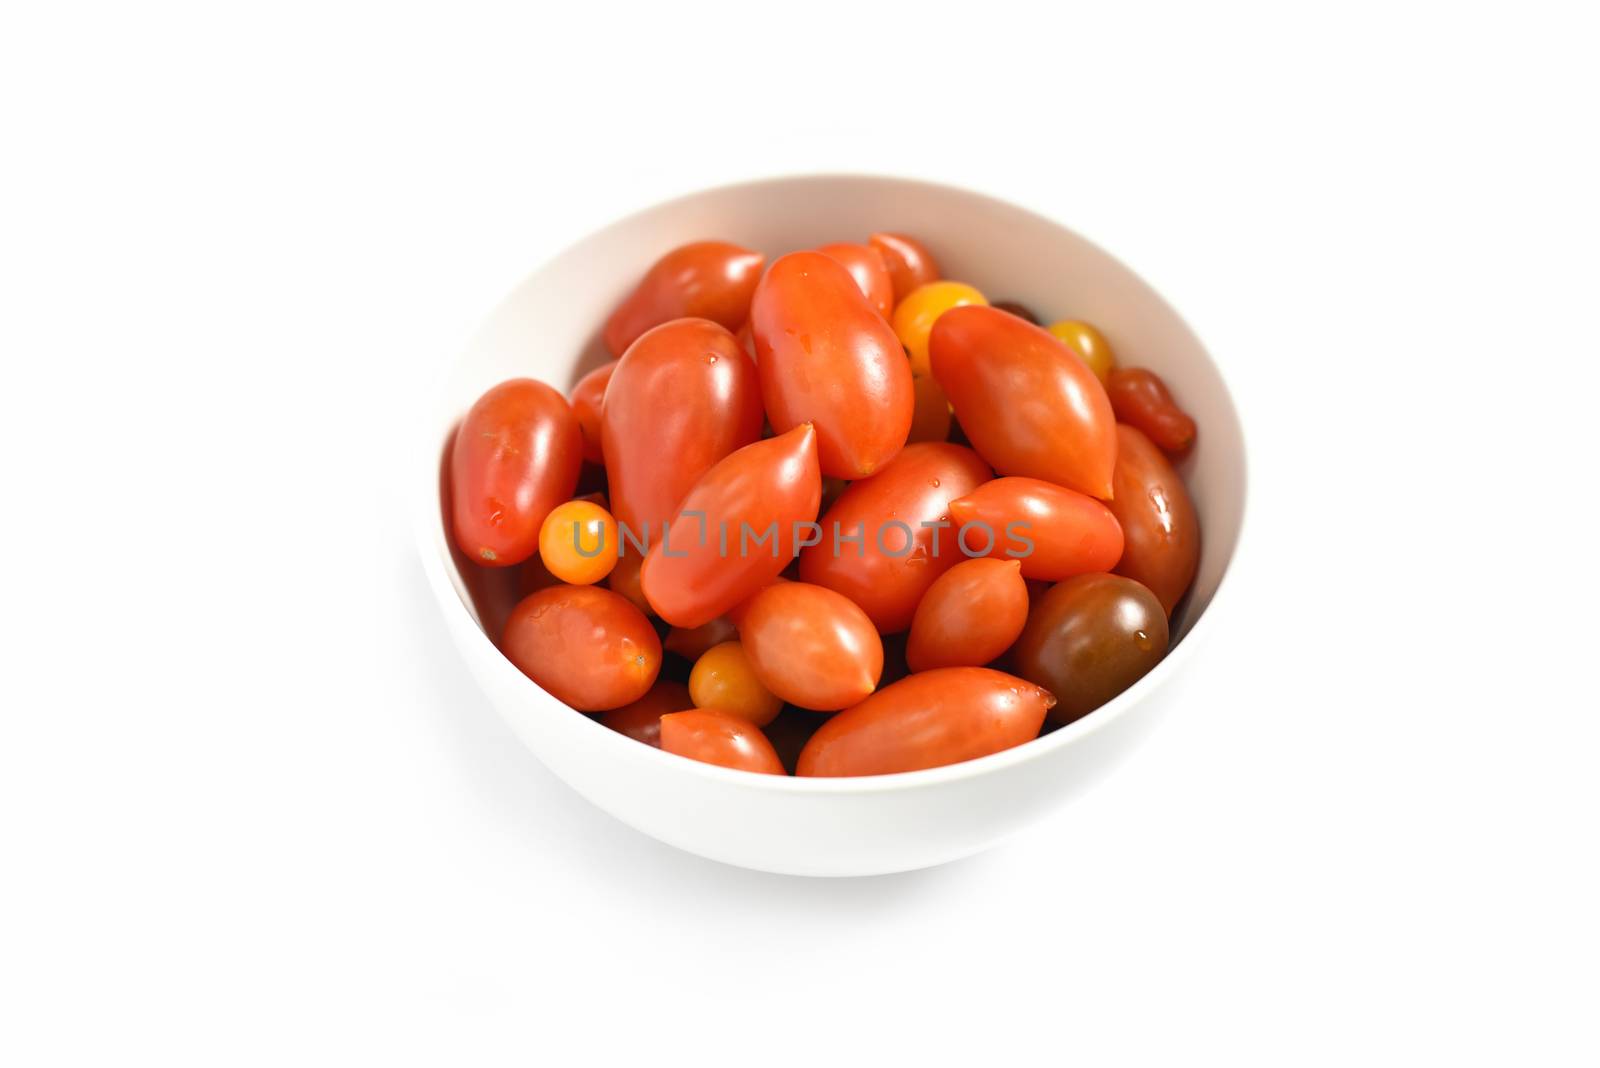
pixel 578 542
pixel 930 419
pixel 1087 342
pixel 724 681
pixel 914 316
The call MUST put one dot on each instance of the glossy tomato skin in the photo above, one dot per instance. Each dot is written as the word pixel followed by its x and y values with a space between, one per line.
pixel 866 266
pixel 715 738
pixel 1142 400
pixel 811 646
pixel 641 720
pixel 725 679
pixel 1088 342
pixel 587 396
pixel 704 280
pixel 691 643
pixel 887 579
pixel 682 397
pixel 1160 529
pixel 928 720
pixel 694 574
pixel 969 616
pixel 826 357
pixel 1054 532
pixel 1027 403
pixel 909 262
pixel 515 456
pixel 588 647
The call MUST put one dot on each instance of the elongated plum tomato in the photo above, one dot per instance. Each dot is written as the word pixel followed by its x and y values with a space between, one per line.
pixel 1027 403
pixel 811 646
pixel 586 398
pixel 1159 526
pixel 899 533
pixel 682 397
pixel 1142 400
pixel 704 280
pixel 717 738
pixel 641 720
pixel 866 266
pixel 516 456
pixel 587 646
pixel 910 263
pixel 969 616
pixel 827 358
pixel 1054 532
pixel 927 720
pixel 736 529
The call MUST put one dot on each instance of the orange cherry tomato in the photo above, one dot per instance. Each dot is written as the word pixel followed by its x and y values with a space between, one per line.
pixel 682 397
pixel 704 280
pixel 624 578
pixel 811 646
pixel 866 266
pixel 1055 533
pixel 578 542
pixel 910 264
pixel 931 419
pixel 736 529
pixel 691 643
pixel 827 358
pixel 587 396
pixel 915 315
pixel 717 738
pixel 1088 343
pixel 515 456
pixel 927 720
pixel 641 720
pixel 588 647
pixel 969 616
pixel 725 679
pixel 1141 399
pixel 1028 405
pixel 903 538
pixel 1159 524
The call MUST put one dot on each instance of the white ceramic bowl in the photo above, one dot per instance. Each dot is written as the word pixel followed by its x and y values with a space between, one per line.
pixel 548 329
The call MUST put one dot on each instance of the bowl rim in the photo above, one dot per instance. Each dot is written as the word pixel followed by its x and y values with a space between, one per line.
pixel 427 517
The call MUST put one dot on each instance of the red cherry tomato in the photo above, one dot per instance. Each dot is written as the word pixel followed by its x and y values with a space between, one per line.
pixel 969 616
pixel 827 358
pixel 735 531
pixel 515 456
pixel 811 646
pixel 641 720
pixel 866 266
pixel 586 398
pixel 1028 404
pixel 1055 533
pixel 682 397
pixel 588 647
pixel 888 570
pixel 691 643
pixel 1141 399
pixel 1159 524
pixel 716 738
pixel 705 280
pixel 910 264
pixel 928 720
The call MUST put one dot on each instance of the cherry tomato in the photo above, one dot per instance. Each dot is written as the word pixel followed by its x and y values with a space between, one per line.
pixel 682 397
pixel 736 529
pixel 588 647
pixel 691 643
pixel 587 396
pixel 902 537
pixel 1027 404
pixel 969 616
pixel 642 719
pixel 1159 524
pixel 866 266
pixel 931 419
pixel 624 578
pixel 910 264
pixel 827 358
pixel 1021 311
pixel 578 542
pixel 1088 343
pixel 915 315
pixel 1141 399
pixel 704 280
pixel 927 720
pixel 1088 639
pixel 515 456
pixel 811 646
pixel 1055 533
pixel 717 738
pixel 725 679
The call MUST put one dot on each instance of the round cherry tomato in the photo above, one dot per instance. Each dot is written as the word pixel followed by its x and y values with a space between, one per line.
pixel 736 529
pixel 928 720
pixel 682 397
pixel 1028 406
pixel 624 578
pixel 1021 311
pixel 587 396
pixel 1055 533
pixel 931 419
pixel 969 616
pixel 866 266
pixel 641 720
pixel 717 738
pixel 588 647
pixel 691 643
pixel 1088 343
pixel 725 679
pixel 515 456
pixel 578 542
pixel 1159 525
pixel 901 534
pixel 910 264
pixel 827 358
pixel 1141 399
pixel 704 280
pixel 915 315
pixel 811 646
pixel 1088 639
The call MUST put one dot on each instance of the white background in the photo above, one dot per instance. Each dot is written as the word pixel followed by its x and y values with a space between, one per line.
pixel 254 810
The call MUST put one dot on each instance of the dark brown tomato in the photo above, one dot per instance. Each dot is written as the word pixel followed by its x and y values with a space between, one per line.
pixel 1019 310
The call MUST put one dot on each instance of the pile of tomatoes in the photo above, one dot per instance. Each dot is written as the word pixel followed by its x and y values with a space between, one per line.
pixel 837 516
